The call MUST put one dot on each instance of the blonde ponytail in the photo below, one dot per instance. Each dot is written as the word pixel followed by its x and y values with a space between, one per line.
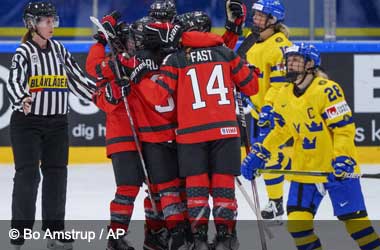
pixel 26 36
pixel 320 73
pixel 280 27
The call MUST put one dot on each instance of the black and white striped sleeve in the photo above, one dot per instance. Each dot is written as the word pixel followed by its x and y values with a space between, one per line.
pixel 78 83
pixel 17 81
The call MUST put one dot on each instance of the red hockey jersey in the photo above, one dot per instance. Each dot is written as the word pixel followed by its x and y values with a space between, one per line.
pixel 201 77
pixel 119 135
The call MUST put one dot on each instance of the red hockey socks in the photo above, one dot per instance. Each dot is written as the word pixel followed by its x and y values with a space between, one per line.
pixel 224 200
pixel 154 222
pixel 171 203
pixel 121 207
pixel 197 191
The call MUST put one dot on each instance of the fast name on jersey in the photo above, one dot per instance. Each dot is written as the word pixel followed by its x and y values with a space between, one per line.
pixel 337 110
pixel 201 56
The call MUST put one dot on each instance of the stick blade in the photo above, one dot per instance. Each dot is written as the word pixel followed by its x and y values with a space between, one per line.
pixel 100 27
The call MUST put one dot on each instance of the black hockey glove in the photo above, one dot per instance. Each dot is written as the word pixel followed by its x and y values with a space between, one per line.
pixel 162 35
pixel 236 12
pixel 136 69
pixel 112 93
pixel 124 85
pixel 139 72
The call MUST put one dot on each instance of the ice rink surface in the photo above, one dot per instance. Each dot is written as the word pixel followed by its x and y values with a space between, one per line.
pixel 91 188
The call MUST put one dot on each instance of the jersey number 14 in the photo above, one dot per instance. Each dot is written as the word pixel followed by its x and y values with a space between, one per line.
pixel 220 89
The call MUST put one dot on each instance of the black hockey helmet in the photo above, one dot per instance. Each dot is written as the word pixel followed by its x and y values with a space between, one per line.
pixel 34 10
pixel 120 43
pixel 163 10
pixel 136 32
pixel 194 21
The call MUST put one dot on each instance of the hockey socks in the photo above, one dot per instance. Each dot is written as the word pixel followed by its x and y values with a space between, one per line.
pixel 363 233
pixel 153 221
pixel 122 207
pixel 300 226
pixel 197 191
pixel 225 205
pixel 171 203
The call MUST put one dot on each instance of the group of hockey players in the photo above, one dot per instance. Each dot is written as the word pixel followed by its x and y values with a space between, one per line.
pixel 168 90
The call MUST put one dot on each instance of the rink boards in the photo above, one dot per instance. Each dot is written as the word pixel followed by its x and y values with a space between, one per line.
pixel 355 65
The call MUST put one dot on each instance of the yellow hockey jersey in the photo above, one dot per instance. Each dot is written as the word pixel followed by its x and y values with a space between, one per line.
pixel 268 57
pixel 320 122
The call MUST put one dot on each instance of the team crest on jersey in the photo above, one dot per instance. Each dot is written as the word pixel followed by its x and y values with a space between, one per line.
pixel 337 110
pixel 229 131
pixel 279 39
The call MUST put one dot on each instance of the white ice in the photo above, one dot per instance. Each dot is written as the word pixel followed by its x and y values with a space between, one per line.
pixel 91 188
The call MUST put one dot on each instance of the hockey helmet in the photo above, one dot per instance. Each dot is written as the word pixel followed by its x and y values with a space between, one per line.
pixel 136 32
pixel 194 21
pixel 308 51
pixel 35 10
pixel 163 10
pixel 274 8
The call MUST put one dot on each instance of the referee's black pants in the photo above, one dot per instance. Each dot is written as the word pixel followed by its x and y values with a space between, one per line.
pixel 39 142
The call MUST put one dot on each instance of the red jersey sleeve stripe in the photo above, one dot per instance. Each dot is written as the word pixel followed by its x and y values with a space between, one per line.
pixel 249 78
pixel 119 139
pixel 169 74
pixel 165 86
pixel 238 67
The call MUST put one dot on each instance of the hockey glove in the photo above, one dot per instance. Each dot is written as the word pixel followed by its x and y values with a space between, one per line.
pixel 109 23
pixel 135 68
pixel 236 12
pixel 112 93
pixel 342 165
pixel 255 160
pixel 266 122
pixel 164 35
pixel 124 85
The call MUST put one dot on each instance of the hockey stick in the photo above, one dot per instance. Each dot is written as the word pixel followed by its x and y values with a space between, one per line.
pixel 136 139
pixel 247 43
pixel 260 222
pixel 313 173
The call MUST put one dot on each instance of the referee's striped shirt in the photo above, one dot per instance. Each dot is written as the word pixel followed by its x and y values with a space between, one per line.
pixel 47 75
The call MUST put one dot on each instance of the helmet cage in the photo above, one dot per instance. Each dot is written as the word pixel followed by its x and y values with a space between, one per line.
pixel 308 53
pixel 163 10
pixel 194 21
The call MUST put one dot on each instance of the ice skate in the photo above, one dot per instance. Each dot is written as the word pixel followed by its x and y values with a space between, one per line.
pixel 200 239
pixel 156 240
pixel 60 244
pixel 119 244
pixel 225 240
pixel 273 212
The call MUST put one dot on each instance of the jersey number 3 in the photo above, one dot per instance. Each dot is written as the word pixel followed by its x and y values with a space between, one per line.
pixel 221 90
